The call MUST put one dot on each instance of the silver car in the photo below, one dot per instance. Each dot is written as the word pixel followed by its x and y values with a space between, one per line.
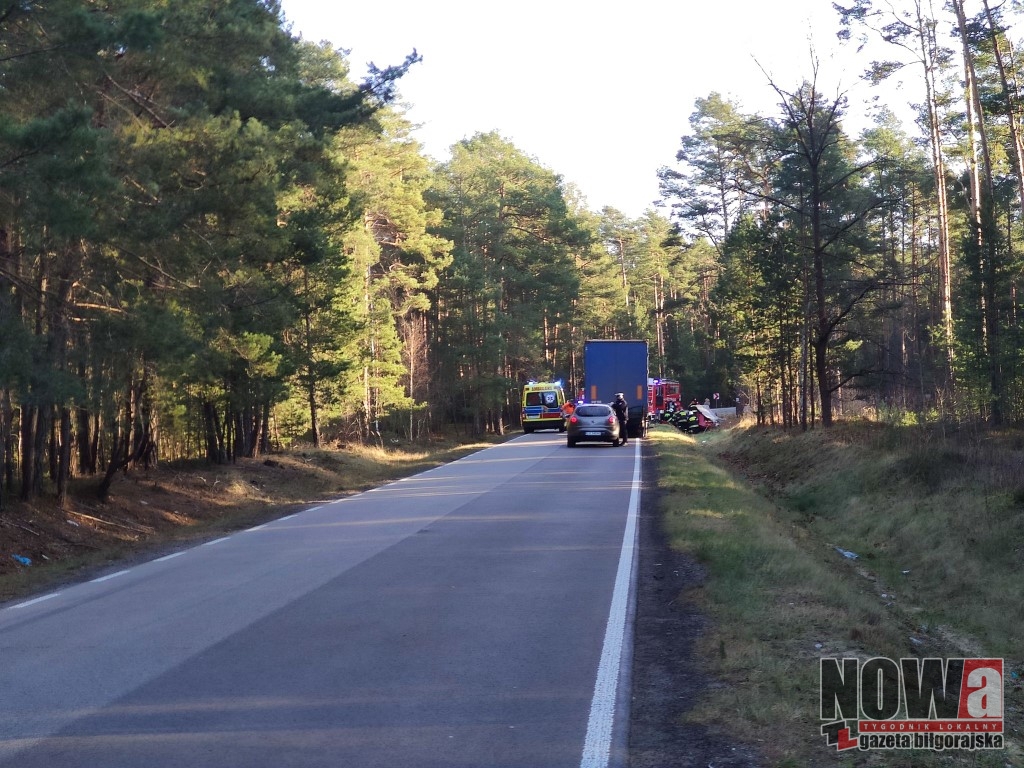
pixel 593 423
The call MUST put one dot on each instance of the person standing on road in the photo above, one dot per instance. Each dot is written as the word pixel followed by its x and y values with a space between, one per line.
pixel 621 408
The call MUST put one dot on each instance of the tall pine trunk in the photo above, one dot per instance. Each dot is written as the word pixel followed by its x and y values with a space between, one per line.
pixel 982 213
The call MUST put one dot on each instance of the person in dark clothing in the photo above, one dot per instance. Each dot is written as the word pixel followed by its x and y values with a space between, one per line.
pixel 621 408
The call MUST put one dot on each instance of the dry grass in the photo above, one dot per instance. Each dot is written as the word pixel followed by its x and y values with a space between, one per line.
pixel 937 520
pixel 764 511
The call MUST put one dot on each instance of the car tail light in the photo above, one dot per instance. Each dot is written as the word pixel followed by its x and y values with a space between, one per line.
pixel 611 419
pixel 573 420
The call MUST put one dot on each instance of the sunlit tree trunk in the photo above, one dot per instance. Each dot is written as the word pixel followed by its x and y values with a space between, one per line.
pixel 982 218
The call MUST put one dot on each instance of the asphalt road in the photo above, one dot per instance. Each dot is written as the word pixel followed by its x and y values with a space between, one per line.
pixel 473 615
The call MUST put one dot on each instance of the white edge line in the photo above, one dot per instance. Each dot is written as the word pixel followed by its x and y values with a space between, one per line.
pixel 27 603
pixel 289 517
pixel 168 557
pixel 216 541
pixel 108 577
pixel 597 745
pixel 257 528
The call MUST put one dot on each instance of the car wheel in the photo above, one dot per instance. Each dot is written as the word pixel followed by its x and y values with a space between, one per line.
pixel 571 443
pixel 616 442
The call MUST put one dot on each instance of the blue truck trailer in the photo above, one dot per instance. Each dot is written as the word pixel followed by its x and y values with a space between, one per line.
pixel 611 366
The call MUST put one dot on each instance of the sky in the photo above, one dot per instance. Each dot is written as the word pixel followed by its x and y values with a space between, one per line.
pixel 600 93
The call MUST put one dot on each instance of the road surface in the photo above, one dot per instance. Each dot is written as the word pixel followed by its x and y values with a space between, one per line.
pixel 473 615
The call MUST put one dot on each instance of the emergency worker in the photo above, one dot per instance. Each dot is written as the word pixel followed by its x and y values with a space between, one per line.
pixel 621 408
pixel 669 412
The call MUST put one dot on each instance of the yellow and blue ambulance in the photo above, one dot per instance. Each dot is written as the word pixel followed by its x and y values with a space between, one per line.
pixel 543 406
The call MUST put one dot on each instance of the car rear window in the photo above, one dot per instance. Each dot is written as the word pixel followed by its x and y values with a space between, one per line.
pixel 593 410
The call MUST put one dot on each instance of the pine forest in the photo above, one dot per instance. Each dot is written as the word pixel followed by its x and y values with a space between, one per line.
pixel 215 243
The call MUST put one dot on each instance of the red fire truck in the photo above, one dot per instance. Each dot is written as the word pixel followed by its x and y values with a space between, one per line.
pixel 661 392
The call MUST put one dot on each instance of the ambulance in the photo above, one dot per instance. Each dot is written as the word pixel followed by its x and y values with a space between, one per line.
pixel 543 406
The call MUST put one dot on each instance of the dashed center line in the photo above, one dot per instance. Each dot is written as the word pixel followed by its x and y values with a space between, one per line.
pixel 108 577
pixel 27 603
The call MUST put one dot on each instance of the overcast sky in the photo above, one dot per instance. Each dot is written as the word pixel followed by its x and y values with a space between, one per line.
pixel 599 93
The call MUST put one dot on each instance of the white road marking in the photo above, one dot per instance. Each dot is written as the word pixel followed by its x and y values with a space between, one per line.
pixel 216 541
pixel 168 557
pixel 597 746
pixel 27 603
pixel 108 577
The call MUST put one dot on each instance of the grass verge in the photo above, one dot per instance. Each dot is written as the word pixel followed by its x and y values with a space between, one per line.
pixel 780 595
